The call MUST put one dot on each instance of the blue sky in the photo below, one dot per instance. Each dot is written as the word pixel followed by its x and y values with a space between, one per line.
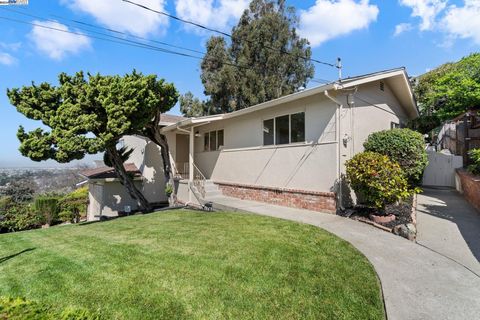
pixel 367 35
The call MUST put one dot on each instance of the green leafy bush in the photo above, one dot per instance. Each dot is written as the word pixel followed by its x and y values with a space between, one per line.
pixel 73 206
pixel 168 189
pixel 48 207
pixel 404 146
pixel 19 217
pixel 376 179
pixel 475 158
pixel 20 308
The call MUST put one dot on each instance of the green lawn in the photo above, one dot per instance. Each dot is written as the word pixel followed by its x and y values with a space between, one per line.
pixel 192 265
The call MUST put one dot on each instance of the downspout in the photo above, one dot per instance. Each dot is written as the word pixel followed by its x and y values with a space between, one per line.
pixel 191 143
pixel 338 115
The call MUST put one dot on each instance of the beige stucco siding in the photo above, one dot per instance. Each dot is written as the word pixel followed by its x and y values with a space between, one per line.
pixel 108 198
pixel 374 111
pixel 147 158
pixel 309 166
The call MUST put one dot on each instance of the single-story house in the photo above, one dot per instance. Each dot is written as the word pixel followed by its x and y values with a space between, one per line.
pixel 289 151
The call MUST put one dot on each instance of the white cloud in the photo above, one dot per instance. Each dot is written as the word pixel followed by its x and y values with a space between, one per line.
pixel 7 59
pixel 219 14
pixel 426 10
pixel 401 28
pixel 463 22
pixel 328 19
pixel 57 44
pixel 10 46
pixel 123 16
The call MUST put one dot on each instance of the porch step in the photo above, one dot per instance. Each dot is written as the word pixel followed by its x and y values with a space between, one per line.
pixel 211 189
pixel 211 194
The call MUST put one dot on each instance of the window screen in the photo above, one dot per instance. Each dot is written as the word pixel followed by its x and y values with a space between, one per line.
pixel 298 127
pixel 220 138
pixel 268 132
pixel 282 130
pixel 206 142
pixel 213 140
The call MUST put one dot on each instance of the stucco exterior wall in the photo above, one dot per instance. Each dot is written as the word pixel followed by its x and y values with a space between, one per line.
pixel 244 159
pixel 312 165
pixel 374 110
pixel 109 198
pixel 148 159
pixel 183 195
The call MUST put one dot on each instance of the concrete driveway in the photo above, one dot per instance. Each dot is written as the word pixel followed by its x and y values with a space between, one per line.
pixel 450 226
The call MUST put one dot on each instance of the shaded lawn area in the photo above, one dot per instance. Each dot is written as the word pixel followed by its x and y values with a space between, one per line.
pixel 192 265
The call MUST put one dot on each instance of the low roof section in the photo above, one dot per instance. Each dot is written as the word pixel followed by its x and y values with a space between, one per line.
pixel 109 172
pixel 397 79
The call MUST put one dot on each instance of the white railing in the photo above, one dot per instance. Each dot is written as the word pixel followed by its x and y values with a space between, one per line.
pixel 199 180
pixel 182 170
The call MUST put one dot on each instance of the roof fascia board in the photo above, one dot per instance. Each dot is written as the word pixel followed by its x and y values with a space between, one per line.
pixel 371 79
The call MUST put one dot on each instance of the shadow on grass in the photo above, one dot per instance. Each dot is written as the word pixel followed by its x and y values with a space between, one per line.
pixel 4 259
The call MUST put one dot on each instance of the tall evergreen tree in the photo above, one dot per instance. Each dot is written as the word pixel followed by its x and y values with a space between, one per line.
pixel 266 59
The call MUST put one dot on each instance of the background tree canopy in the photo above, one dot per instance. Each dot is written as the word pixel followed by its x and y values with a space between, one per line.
pixel 265 59
pixel 447 91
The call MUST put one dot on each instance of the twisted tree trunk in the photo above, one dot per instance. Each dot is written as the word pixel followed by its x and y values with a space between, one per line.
pixel 153 133
pixel 127 180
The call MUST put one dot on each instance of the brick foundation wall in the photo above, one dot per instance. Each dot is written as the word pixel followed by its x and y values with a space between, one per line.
pixel 470 187
pixel 302 199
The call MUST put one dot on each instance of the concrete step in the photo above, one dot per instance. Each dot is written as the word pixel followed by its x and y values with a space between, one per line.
pixel 211 188
pixel 210 194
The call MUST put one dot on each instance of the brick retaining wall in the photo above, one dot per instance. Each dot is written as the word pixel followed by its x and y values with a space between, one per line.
pixel 470 186
pixel 302 199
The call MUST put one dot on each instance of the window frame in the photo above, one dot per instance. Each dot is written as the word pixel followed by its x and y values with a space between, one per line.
pixel 217 146
pixel 289 129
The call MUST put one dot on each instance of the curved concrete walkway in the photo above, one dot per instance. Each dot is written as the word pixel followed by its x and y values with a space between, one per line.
pixel 417 283
pixel 449 225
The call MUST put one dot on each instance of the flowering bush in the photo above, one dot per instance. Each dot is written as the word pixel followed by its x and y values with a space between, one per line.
pixel 376 179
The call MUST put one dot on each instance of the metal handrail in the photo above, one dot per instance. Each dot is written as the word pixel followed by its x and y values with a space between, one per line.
pixel 174 167
pixel 199 180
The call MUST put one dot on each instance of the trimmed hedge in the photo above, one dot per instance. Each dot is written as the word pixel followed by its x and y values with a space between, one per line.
pixel 20 308
pixel 376 179
pixel 48 207
pixel 404 146
pixel 18 217
pixel 73 206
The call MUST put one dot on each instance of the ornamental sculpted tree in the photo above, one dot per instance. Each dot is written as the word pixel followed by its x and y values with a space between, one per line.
pixel 89 115
pixel 264 60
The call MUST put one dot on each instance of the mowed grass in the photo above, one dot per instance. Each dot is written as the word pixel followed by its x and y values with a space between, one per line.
pixel 192 265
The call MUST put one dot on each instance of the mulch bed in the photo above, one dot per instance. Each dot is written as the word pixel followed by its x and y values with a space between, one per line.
pixel 402 212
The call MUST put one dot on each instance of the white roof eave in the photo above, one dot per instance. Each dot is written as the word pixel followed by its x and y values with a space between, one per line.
pixel 299 95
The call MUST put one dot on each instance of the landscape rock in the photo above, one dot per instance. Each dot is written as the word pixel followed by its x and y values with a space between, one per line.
pixel 408 231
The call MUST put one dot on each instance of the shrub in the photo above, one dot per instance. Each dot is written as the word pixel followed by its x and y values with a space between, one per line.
pixel 376 179
pixel 475 158
pixel 404 146
pixel 19 217
pixel 19 191
pixel 73 206
pixel 20 308
pixel 48 207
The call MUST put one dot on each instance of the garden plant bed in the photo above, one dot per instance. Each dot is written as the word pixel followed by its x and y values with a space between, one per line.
pixel 403 214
